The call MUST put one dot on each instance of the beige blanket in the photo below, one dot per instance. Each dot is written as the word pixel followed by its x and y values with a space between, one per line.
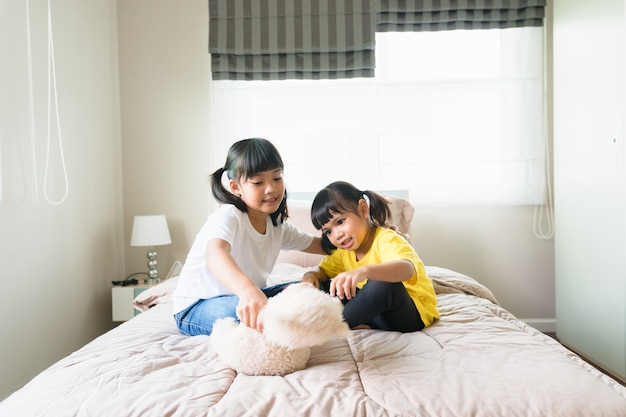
pixel 476 360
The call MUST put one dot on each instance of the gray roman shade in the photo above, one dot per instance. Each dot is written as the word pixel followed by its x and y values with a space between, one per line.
pixel 327 39
pixel 434 15
pixel 291 39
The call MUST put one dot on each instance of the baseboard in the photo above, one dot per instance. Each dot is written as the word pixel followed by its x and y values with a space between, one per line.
pixel 543 325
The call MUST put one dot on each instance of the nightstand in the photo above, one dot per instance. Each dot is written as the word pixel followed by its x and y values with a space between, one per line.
pixel 122 300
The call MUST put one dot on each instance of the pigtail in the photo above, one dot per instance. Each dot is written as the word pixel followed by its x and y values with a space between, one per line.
pixel 380 213
pixel 223 195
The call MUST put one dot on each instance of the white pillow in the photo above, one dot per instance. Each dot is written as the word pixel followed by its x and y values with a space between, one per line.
pixel 285 272
pixel 401 212
pixel 160 293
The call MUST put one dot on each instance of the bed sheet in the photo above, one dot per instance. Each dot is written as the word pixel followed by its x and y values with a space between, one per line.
pixel 476 360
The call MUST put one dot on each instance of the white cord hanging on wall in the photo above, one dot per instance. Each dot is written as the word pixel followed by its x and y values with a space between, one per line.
pixel 52 95
pixel 543 218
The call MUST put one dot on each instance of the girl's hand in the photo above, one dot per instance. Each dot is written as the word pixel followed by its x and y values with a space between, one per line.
pixel 344 284
pixel 223 266
pixel 311 279
pixel 314 276
pixel 249 307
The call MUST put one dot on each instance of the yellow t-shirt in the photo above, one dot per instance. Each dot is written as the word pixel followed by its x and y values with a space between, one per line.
pixel 389 246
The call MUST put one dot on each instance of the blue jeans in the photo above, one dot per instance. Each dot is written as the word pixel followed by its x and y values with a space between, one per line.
pixel 199 317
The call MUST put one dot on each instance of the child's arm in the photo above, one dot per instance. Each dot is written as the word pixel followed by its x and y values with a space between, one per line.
pixel 251 298
pixel 344 284
pixel 315 276
pixel 315 247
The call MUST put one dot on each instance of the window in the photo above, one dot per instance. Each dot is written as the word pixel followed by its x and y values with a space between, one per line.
pixel 455 117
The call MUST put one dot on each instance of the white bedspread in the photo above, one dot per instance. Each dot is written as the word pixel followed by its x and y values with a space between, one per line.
pixel 476 360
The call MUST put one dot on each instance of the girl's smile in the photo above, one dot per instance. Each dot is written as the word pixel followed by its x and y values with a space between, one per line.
pixel 272 200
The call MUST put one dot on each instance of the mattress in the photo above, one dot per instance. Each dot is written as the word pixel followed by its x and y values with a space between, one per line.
pixel 477 359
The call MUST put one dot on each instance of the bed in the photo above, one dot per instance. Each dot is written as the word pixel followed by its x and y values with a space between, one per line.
pixel 476 360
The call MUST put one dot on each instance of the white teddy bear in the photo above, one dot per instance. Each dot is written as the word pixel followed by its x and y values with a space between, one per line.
pixel 299 317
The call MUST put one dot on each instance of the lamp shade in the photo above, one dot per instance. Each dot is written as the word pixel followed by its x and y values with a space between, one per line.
pixel 150 231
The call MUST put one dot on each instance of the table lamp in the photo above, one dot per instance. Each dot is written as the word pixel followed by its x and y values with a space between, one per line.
pixel 150 231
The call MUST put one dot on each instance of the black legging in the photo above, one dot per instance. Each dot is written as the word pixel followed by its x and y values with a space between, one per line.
pixel 382 305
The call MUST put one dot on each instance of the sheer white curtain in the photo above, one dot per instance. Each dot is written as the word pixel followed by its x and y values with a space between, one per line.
pixel 455 117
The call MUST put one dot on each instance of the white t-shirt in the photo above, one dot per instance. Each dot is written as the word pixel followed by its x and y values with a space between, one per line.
pixel 254 253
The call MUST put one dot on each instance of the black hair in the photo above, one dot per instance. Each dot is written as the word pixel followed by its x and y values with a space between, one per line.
pixel 342 197
pixel 245 159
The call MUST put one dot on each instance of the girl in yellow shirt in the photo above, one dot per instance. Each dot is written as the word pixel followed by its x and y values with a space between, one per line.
pixel 374 271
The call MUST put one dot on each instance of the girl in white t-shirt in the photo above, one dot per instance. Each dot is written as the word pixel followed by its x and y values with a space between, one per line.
pixel 231 257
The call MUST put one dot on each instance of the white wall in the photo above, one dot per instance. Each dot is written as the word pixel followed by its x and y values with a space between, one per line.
pixel 497 247
pixel 57 261
pixel 165 96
